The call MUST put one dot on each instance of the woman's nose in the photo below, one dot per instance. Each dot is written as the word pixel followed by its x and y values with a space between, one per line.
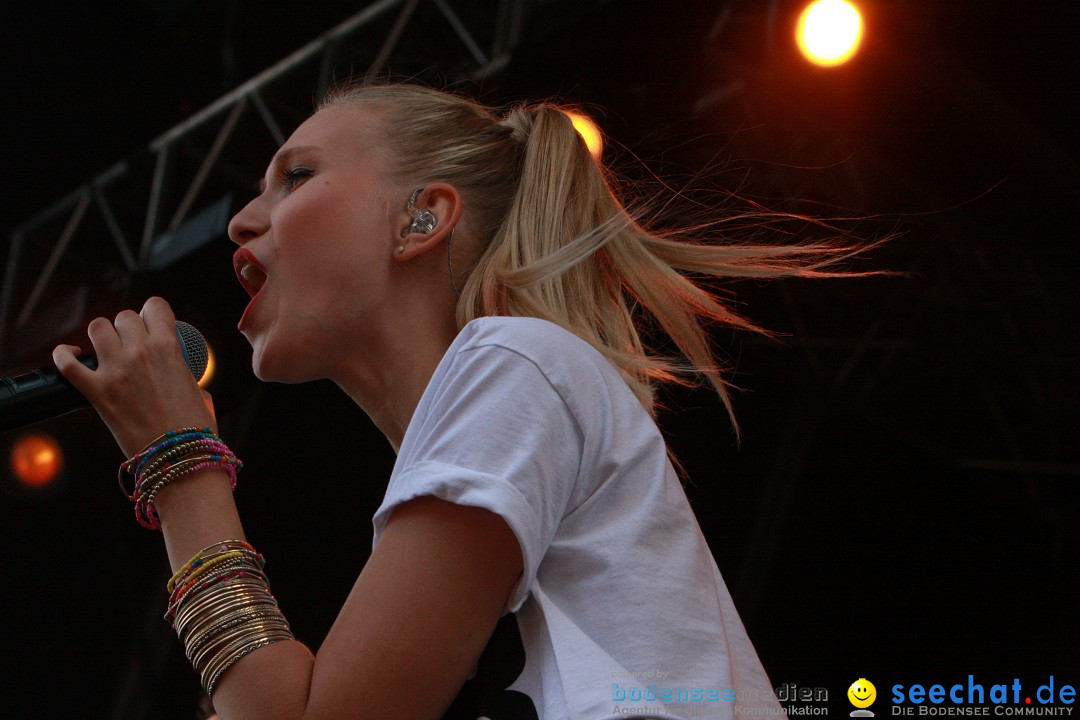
pixel 249 223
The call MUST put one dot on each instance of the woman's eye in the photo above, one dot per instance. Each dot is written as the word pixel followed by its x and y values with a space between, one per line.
pixel 292 177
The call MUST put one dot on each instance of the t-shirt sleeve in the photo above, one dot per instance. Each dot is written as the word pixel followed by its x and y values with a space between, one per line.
pixel 492 432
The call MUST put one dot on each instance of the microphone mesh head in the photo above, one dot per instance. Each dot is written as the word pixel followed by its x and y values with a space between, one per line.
pixel 194 346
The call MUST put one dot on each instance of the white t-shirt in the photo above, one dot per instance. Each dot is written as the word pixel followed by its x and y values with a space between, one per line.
pixel 621 608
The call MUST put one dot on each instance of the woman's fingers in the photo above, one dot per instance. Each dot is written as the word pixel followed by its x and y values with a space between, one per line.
pixel 130 328
pixel 103 337
pixel 65 357
pixel 158 316
pixel 160 323
pixel 142 386
pixel 155 324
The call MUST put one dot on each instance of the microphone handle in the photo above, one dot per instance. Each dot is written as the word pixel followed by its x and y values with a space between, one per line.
pixel 38 395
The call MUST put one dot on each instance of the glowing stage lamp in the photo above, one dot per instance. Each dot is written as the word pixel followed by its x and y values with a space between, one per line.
pixel 211 366
pixel 588 131
pixel 36 460
pixel 829 32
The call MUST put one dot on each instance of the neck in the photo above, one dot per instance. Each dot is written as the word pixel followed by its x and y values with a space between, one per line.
pixel 387 384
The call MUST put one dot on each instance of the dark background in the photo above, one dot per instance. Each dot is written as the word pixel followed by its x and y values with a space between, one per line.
pixel 903 504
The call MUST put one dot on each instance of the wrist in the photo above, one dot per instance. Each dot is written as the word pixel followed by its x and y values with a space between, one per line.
pixel 174 455
pixel 197 491
pixel 195 511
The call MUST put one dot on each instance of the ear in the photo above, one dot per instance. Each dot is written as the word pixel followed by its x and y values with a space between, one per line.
pixel 441 200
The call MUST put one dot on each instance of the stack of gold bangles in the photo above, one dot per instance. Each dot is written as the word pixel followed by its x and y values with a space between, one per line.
pixel 221 608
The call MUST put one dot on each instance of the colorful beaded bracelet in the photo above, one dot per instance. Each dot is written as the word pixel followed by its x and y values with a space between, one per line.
pixel 169 457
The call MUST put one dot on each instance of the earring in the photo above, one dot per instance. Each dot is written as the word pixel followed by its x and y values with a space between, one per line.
pixel 423 220
pixel 399 249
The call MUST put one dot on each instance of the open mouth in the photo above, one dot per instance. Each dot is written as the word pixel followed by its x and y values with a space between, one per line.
pixel 251 275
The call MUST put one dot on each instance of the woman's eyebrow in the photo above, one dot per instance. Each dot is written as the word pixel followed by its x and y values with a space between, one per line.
pixel 282 157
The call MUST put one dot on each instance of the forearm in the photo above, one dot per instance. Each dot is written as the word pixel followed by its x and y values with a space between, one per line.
pixel 221 606
pixel 196 511
pixel 273 681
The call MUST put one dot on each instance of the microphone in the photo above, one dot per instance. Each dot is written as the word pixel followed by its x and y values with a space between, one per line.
pixel 44 393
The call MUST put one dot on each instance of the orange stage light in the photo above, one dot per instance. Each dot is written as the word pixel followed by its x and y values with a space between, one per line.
pixel 589 132
pixel 36 460
pixel 829 32
pixel 211 366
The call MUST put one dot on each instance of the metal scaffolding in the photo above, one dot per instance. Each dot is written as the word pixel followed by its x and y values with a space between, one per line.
pixel 146 205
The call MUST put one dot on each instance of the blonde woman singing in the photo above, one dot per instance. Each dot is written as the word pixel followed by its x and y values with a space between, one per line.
pixel 472 280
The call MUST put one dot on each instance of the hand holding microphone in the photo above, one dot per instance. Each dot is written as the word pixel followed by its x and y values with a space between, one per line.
pixel 44 393
pixel 145 377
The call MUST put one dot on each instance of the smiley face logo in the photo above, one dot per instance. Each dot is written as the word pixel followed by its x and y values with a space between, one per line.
pixel 862 693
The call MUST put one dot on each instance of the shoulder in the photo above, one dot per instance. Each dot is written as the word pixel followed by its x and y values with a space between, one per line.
pixel 530 358
pixel 502 364
pixel 545 344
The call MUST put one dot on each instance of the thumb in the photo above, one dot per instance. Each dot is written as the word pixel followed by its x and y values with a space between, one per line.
pixel 65 359
pixel 208 400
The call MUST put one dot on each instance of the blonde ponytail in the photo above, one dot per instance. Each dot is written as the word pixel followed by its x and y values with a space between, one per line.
pixel 557 243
